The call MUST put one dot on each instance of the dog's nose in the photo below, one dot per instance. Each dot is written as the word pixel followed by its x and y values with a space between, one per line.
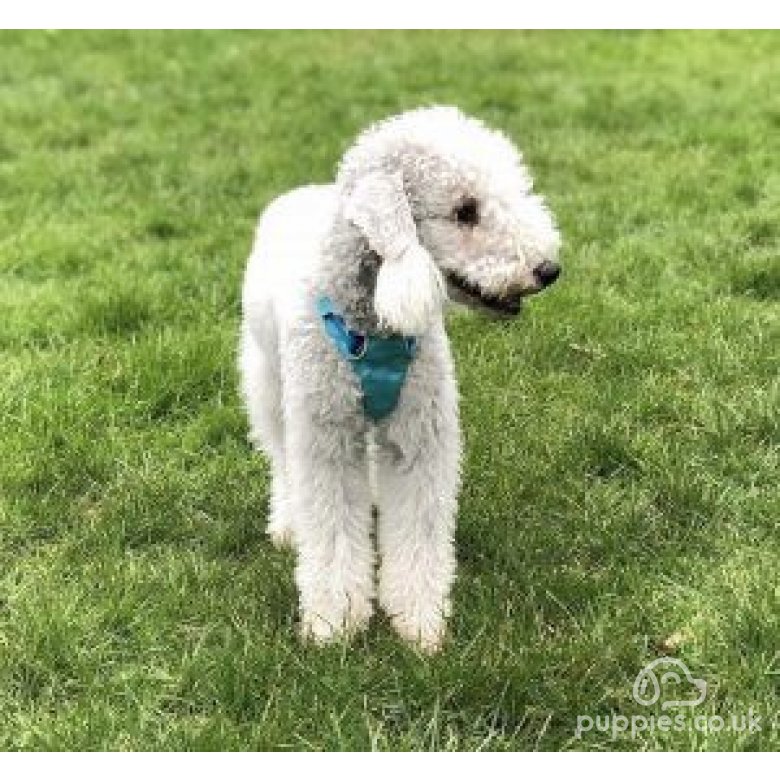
pixel 547 272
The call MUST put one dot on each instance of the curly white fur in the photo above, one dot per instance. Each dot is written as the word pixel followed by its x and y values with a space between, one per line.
pixel 380 242
pixel 409 288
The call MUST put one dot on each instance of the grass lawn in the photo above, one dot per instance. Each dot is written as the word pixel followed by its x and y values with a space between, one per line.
pixel 620 498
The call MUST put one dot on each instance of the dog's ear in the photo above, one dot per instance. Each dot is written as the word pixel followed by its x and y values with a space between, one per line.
pixel 409 288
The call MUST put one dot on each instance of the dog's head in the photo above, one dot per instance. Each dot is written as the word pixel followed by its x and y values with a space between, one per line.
pixel 446 203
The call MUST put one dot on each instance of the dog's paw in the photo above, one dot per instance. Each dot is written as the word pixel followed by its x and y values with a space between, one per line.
pixel 423 624
pixel 418 614
pixel 427 636
pixel 324 629
pixel 280 526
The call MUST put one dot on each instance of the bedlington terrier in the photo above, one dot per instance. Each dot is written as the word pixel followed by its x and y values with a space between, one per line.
pixel 346 369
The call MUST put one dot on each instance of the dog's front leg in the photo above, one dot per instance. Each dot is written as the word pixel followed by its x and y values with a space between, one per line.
pixel 330 499
pixel 418 476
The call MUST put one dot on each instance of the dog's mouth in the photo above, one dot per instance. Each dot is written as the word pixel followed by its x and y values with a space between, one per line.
pixel 472 294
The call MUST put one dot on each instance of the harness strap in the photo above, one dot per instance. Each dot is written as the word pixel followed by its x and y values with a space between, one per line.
pixel 380 362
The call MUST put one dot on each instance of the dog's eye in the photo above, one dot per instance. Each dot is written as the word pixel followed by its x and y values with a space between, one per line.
pixel 468 212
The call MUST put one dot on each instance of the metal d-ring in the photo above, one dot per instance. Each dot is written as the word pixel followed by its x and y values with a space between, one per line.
pixel 363 348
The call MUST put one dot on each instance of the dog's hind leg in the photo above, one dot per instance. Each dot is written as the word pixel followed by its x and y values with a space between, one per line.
pixel 262 390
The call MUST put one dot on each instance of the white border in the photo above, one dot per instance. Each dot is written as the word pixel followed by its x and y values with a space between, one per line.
pixel 417 14
pixel 151 766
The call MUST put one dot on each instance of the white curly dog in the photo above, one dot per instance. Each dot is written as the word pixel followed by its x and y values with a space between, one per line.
pixel 345 365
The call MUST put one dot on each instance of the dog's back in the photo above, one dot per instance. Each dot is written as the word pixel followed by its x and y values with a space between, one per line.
pixel 286 249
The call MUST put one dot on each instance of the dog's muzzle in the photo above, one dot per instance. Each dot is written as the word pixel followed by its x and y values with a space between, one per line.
pixel 470 293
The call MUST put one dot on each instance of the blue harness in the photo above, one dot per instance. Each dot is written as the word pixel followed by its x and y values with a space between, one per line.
pixel 380 362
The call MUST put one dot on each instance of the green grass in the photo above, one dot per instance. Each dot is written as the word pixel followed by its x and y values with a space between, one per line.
pixel 621 473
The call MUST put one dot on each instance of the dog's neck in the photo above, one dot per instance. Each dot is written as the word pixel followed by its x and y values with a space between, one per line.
pixel 348 275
